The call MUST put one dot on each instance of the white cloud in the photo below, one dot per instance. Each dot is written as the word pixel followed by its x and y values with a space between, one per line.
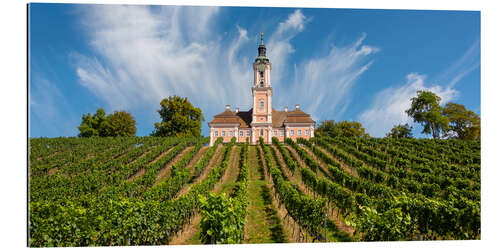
pixel 322 85
pixel 144 54
pixel 389 105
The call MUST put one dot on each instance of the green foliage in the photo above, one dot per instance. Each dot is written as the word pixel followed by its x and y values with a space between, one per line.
pixel 120 123
pixel 222 219
pixel 344 128
pixel 179 118
pixel 400 131
pixel 425 109
pixel 91 125
pixel 390 225
pixel 464 123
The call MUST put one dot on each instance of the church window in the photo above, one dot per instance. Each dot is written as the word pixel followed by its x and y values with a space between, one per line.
pixel 261 132
pixel 307 131
pixel 241 133
pixel 292 132
pixel 299 132
pixel 216 133
pixel 248 133
pixel 261 74
pixel 282 132
pixel 223 133
pixel 261 103
pixel 275 133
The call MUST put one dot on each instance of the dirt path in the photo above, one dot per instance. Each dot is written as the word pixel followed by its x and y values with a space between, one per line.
pixel 297 179
pixel 216 158
pixel 230 176
pixel 165 171
pixel 342 164
pixel 166 167
pixel 190 233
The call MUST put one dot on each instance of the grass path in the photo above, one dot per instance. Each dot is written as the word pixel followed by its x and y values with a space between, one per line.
pixel 260 212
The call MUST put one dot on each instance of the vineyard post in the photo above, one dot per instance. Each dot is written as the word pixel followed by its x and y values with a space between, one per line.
pixel 324 223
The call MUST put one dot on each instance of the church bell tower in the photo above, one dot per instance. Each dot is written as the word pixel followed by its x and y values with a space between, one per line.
pixel 262 93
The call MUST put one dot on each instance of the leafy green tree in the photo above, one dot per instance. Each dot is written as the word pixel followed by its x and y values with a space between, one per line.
pixel 326 128
pixel 425 109
pixel 351 129
pixel 179 118
pixel 344 128
pixel 400 131
pixel 91 125
pixel 222 219
pixel 120 123
pixel 464 124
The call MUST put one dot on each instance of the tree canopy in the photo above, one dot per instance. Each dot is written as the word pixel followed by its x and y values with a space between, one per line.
pixel 343 128
pixel 179 118
pixel 400 131
pixel 120 123
pixel 425 109
pixel 464 124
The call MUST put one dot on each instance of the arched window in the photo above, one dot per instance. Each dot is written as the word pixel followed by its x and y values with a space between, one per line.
pixel 261 103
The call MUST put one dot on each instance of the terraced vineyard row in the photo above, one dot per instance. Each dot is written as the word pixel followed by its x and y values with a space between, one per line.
pixel 146 190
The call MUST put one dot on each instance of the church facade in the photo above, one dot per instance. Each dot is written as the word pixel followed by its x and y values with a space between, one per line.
pixel 262 120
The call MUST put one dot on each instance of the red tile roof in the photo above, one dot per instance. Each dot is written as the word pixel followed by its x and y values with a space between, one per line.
pixel 245 118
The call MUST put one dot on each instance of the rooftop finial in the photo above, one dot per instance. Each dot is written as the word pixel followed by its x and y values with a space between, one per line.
pixel 261 38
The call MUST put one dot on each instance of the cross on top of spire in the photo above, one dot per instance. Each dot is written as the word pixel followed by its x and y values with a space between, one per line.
pixel 261 38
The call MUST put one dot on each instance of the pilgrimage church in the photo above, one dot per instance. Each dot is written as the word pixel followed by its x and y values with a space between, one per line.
pixel 262 120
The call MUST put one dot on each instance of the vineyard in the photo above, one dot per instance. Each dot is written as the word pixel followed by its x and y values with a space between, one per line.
pixel 157 191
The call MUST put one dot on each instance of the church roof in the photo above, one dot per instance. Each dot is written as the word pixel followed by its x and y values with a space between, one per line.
pixel 244 119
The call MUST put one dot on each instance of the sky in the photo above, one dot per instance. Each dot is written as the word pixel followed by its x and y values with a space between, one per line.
pixel 338 64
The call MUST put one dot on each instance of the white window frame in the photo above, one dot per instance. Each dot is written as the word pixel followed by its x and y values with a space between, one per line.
pixel 307 131
pixel 299 132
pixel 282 133
pixel 216 133
pixel 261 103
pixel 230 133
pixel 275 133
pixel 248 133
pixel 292 132
pixel 223 133
pixel 241 133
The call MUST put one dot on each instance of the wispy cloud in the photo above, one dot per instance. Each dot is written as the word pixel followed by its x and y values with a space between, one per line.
pixel 389 105
pixel 323 84
pixel 145 54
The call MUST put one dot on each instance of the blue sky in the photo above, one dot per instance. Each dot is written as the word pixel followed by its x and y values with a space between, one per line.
pixel 339 64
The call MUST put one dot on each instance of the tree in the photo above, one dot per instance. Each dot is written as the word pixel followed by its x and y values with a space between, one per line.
pixel 91 124
pixel 344 128
pixel 464 124
pixel 326 128
pixel 351 129
pixel 400 131
pixel 425 109
pixel 120 123
pixel 179 118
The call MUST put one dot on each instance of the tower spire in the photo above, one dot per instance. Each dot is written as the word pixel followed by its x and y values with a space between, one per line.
pixel 262 49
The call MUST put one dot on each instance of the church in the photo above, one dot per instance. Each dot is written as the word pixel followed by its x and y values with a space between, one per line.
pixel 262 120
